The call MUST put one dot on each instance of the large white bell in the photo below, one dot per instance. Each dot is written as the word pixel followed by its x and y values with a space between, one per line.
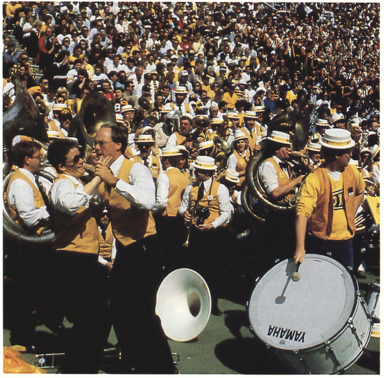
pixel 183 304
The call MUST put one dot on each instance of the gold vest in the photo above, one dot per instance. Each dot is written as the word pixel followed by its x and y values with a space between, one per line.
pixel 37 197
pixel 179 138
pixel 129 223
pixel 155 166
pixel 177 184
pixel 320 223
pixel 106 244
pixel 213 204
pixel 282 176
pixel 54 127
pixel 241 165
pixel 78 233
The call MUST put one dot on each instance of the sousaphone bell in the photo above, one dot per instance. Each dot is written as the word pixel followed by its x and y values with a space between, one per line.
pixel 183 304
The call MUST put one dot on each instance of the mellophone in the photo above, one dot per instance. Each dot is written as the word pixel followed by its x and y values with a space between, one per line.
pixel 315 321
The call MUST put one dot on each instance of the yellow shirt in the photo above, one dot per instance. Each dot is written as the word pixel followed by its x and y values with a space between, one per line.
pixel 231 101
pixel 307 201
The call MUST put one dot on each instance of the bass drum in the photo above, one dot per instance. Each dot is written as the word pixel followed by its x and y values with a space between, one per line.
pixel 317 324
pixel 373 304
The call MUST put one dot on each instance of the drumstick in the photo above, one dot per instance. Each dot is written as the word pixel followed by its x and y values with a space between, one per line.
pixel 296 275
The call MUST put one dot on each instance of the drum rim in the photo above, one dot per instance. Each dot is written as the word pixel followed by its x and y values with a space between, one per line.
pixel 333 334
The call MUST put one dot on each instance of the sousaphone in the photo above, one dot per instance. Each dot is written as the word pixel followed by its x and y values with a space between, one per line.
pixel 183 304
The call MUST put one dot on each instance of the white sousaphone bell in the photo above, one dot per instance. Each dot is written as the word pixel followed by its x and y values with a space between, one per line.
pixel 183 304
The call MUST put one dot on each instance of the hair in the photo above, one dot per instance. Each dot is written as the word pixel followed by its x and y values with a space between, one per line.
pixel 331 154
pixel 58 151
pixel 118 135
pixel 23 149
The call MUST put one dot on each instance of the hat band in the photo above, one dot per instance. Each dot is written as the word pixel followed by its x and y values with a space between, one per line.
pixel 331 143
pixel 278 139
pixel 200 165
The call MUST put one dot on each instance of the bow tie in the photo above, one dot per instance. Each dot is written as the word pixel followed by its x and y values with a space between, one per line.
pixel 283 165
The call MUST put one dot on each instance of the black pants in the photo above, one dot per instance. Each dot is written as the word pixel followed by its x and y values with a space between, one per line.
pixel 32 268
pixel 135 279
pixel 85 296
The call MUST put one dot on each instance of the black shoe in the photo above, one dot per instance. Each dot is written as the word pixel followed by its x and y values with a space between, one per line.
pixel 360 275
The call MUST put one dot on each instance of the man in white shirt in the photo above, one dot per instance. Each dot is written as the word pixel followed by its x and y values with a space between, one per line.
pixel 130 191
pixel 206 208
pixel 25 205
pixel 82 278
pixel 278 182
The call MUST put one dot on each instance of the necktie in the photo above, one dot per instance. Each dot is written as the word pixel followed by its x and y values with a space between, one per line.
pixel 200 193
pixel 283 165
pixel 103 233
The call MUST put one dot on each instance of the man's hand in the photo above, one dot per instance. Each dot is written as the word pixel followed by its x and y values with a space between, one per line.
pixel 298 180
pixel 102 170
pixel 187 217
pixel 299 255
pixel 109 266
pixel 205 227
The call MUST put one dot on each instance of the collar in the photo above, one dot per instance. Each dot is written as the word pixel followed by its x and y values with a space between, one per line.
pixel 30 175
pixel 115 166
pixel 277 160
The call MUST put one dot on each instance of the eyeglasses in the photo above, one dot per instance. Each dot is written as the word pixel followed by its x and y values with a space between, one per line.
pixel 75 160
pixel 101 144
pixel 38 157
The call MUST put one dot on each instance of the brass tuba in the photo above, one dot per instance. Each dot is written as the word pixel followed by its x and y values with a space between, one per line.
pixel 22 118
pixel 297 125
pixel 95 111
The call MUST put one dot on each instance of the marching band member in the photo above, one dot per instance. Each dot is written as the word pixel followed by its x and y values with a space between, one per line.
pixel 129 190
pixel 206 208
pixel 328 202
pixel 77 248
pixel 241 155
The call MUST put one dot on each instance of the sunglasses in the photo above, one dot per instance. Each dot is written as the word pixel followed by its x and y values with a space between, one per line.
pixel 75 160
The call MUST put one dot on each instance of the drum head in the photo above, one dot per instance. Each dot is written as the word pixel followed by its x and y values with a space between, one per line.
pixel 297 315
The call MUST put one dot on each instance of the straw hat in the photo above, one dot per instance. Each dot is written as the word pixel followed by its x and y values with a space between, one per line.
pixel 233 115
pixel 258 109
pixel 170 152
pixel 365 150
pixel 239 135
pixel 127 108
pixel 181 90
pixel 205 145
pixel 24 138
pixel 217 121
pixel 375 150
pixel 53 134
pixel 232 176
pixel 206 163
pixel 59 107
pixel 337 117
pixel 337 139
pixel 250 114
pixel 145 139
pixel 183 150
pixel 314 147
pixel 322 123
pixel 167 108
pixel 280 137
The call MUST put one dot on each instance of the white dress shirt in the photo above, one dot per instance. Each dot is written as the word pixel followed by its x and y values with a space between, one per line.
pixel 224 203
pixel 21 197
pixel 141 190
pixel 268 175
pixel 68 199
pixel 162 191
